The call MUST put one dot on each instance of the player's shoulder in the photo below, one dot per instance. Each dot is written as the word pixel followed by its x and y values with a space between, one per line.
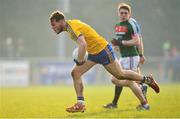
pixel 73 21
pixel 118 23
pixel 134 25
pixel 133 21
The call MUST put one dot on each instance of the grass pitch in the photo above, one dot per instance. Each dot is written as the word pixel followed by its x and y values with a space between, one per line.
pixel 48 102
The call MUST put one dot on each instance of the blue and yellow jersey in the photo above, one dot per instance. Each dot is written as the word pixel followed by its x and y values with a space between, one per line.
pixel 95 43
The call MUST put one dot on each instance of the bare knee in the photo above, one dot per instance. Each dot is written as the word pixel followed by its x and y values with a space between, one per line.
pixel 113 81
pixel 72 73
pixel 120 76
pixel 125 83
pixel 130 83
pixel 75 74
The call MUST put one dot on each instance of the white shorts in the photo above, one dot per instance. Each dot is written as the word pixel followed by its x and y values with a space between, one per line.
pixel 130 63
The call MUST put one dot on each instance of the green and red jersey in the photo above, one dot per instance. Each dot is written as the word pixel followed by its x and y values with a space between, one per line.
pixel 126 30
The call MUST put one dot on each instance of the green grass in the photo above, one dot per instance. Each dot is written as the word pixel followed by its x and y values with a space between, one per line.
pixel 50 102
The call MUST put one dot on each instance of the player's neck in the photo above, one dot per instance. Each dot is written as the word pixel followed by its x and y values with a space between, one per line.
pixel 123 20
pixel 66 26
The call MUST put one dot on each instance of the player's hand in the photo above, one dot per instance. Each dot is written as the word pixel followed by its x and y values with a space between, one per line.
pixel 116 42
pixel 142 59
pixel 79 63
pixel 113 41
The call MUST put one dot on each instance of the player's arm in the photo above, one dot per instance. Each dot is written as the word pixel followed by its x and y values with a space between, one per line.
pixel 141 51
pixel 134 41
pixel 141 47
pixel 81 50
pixel 135 38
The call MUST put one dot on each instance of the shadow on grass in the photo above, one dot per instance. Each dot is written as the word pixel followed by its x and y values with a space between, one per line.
pixel 105 112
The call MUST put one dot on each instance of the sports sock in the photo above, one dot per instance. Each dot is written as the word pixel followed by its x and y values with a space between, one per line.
pixel 80 99
pixel 118 90
pixel 146 80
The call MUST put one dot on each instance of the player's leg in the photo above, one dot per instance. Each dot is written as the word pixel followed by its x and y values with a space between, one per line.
pixel 76 73
pixel 117 93
pixel 132 63
pixel 108 60
pixel 107 56
pixel 133 86
pixel 118 89
pixel 143 86
pixel 115 69
pixel 127 63
pixel 135 89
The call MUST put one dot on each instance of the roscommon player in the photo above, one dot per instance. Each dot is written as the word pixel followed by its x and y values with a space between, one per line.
pixel 99 52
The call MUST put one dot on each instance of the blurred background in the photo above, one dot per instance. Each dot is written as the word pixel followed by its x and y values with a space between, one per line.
pixel 32 54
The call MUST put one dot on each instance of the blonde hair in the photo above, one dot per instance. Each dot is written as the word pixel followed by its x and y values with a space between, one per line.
pixel 124 6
